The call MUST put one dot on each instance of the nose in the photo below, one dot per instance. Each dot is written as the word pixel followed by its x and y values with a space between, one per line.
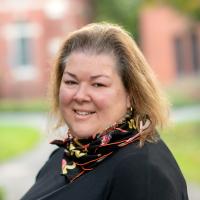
pixel 82 94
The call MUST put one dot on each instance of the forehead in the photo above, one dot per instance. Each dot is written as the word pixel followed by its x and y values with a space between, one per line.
pixel 91 62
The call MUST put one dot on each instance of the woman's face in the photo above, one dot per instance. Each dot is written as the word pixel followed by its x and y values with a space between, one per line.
pixel 92 96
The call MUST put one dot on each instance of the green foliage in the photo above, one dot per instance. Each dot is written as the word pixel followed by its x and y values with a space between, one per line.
pixel 16 140
pixel 122 12
pixel 184 141
pixel 187 7
pixel 126 12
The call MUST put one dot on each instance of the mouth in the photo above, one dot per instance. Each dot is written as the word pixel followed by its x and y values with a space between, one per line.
pixel 83 113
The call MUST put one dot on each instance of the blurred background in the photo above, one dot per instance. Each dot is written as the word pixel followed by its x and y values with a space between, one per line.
pixel 168 33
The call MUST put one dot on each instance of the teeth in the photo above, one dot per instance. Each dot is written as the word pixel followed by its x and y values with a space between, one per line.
pixel 83 113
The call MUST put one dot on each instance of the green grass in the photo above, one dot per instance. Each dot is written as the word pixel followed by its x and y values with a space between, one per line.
pixel 1 194
pixel 180 99
pixel 36 105
pixel 184 141
pixel 184 92
pixel 16 140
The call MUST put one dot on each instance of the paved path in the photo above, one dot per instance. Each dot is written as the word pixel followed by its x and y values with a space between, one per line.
pixel 17 175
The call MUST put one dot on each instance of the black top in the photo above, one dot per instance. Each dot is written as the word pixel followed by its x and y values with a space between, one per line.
pixel 132 173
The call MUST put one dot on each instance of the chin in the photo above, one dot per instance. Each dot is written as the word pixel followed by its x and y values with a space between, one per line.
pixel 81 133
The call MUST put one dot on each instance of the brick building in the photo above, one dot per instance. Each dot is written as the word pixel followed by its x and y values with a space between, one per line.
pixel 30 33
pixel 171 43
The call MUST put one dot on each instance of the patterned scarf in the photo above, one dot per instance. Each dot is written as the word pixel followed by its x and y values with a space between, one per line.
pixel 83 155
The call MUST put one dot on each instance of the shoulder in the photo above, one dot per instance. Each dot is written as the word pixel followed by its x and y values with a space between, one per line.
pixel 135 154
pixel 130 173
pixel 132 159
pixel 147 172
pixel 141 159
pixel 53 161
pixel 56 152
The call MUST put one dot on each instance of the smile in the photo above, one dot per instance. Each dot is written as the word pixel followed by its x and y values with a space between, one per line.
pixel 83 113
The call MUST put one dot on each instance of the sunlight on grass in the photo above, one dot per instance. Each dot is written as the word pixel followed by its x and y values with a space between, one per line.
pixel 16 139
pixel 184 141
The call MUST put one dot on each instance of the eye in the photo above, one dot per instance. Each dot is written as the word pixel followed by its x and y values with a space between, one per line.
pixel 70 82
pixel 98 85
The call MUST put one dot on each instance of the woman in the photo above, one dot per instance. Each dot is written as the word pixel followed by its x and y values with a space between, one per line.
pixel 107 95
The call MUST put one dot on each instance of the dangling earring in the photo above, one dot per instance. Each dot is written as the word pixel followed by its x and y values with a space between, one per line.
pixel 129 112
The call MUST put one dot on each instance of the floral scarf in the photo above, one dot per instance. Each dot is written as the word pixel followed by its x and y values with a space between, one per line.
pixel 83 155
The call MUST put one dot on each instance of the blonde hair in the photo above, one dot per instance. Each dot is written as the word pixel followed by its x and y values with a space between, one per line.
pixel 145 95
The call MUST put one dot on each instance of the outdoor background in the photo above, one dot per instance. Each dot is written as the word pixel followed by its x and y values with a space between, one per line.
pixel 168 33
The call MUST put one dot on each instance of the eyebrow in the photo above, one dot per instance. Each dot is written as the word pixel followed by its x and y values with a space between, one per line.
pixel 73 75
pixel 99 76
pixel 92 77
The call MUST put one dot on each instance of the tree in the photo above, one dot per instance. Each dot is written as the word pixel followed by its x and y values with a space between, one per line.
pixel 126 12
pixel 122 12
pixel 190 8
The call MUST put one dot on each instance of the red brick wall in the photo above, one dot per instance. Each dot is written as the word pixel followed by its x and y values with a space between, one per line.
pixel 159 26
pixel 48 29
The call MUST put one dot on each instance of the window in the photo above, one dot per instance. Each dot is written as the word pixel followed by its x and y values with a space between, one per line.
pixel 20 40
pixel 179 56
pixel 22 50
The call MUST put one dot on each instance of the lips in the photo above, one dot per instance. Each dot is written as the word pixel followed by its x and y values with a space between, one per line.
pixel 83 113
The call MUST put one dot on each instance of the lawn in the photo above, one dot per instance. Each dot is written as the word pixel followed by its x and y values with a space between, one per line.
pixel 184 141
pixel 1 194
pixel 184 92
pixel 16 140
pixel 182 99
pixel 35 105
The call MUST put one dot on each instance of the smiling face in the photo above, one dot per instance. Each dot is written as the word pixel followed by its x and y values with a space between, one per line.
pixel 92 96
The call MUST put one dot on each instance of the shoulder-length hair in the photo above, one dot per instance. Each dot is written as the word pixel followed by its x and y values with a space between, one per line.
pixel 139 81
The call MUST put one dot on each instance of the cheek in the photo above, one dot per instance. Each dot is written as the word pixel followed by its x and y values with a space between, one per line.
pixel 105 99
pixel 64 96
pixel 111 100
